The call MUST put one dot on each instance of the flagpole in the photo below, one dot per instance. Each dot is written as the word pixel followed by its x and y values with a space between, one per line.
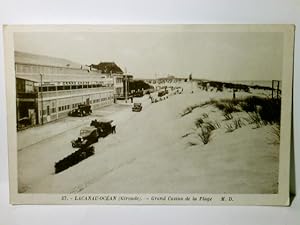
pixel 190 78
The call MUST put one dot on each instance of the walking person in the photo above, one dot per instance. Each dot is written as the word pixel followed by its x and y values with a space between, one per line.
pixel 113 128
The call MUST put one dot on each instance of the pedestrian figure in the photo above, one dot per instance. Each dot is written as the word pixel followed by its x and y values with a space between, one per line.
pixel 114 129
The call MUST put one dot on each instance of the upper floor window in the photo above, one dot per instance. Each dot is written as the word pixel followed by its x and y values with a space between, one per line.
pixel 52 88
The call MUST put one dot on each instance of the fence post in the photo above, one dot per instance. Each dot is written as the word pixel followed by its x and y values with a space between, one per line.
pixel 278 89
pixel 273 81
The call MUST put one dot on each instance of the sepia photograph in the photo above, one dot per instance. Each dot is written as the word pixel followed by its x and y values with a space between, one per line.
pixel 149 114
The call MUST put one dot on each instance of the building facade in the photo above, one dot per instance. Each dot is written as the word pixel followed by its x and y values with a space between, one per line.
pixel 121 85
pixel 118 85
pixel 48 88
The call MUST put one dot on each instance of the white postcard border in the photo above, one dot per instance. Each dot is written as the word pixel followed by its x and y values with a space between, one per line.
pixel 282 198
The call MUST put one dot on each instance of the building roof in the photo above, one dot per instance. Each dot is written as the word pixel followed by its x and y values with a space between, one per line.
pixel 28 58
pixel 80 75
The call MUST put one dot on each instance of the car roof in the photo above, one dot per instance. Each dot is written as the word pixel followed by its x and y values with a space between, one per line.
pixel 82 106
pixel 88 129
pixel 105 121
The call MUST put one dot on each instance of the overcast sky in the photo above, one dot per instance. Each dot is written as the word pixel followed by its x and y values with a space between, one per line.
pixel 216 56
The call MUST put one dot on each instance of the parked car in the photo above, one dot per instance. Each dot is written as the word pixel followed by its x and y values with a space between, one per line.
pixel 23 122
pixel 138 94
pixel 137 107
pixel 82 110
pixel 162 93
pixel 88 136
pixel 104 127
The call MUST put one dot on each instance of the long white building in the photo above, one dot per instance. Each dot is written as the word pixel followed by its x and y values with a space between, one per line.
pixel 48 88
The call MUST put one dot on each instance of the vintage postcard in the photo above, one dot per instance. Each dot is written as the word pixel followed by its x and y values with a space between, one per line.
pixel 149 114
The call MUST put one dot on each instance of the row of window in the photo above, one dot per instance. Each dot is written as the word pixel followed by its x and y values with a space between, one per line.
pixel 75 105
pixel 119 80
pixel 102 99
pixel 96 101
pixel 61 88
pixel 63 108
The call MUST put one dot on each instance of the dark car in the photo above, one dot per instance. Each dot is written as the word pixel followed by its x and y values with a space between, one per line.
pixel 137 107
pixel 162 93
pixel 138 94
pixel 23 122
pixel 82 110
pixel 104 127
pixel 88 136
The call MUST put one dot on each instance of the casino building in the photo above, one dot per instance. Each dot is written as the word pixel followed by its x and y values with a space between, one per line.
pixel 121 81
pixel 48 88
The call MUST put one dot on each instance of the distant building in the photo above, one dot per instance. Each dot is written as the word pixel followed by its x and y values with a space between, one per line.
pixel 170 77
pixel 120 80
pixel 118 85
pixel 47 88
pixel 121 85
pixel 107 68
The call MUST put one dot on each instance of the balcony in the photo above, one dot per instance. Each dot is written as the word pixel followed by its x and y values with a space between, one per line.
pixel 73 92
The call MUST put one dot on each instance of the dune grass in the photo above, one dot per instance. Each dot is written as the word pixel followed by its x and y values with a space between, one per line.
pixel 275 130
pixel 204 135
pixel 265 110
pixel 259 112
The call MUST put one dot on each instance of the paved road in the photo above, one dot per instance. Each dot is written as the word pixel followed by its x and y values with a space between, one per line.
pixel 40 147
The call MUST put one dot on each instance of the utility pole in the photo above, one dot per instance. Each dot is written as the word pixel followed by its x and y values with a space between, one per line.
pixel 272 88
pixel 126 88
pixel 126 85
pixel 42 103
pixel 191 82
pixel 278 82
pixel 155 81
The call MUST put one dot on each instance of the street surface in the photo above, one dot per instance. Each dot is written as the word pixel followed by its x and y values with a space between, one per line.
pixel 40 147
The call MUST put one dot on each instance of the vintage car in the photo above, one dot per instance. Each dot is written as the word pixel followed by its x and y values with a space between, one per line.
pixel 138 94
pixel 74 158
pixel 137 107
pixel 88 136
pixel 162 93
pixel 23 122
pixel 82 110
pixel 104 127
